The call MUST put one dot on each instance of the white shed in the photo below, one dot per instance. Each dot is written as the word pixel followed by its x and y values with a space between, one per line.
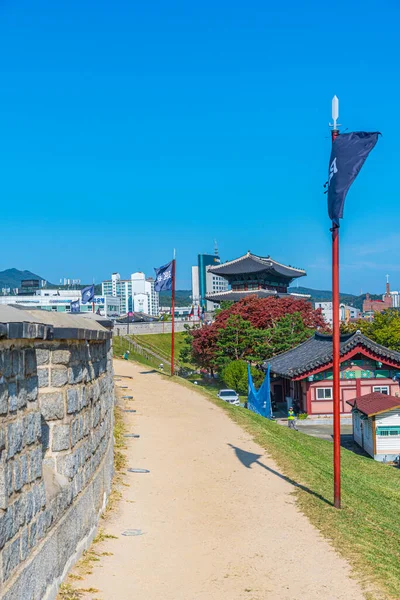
pixel 376 425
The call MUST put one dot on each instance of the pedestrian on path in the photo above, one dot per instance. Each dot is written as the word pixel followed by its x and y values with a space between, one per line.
pixel 291 419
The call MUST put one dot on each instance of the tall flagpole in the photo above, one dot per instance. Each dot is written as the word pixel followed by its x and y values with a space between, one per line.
pixel 336 333
pixel 173 316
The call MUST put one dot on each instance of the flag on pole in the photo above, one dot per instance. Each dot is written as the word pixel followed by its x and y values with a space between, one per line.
pixel 88 294
pixel 349 153
pixel 198 311
pixel 202 313
pixel 163 278
pixel 191 314
pixel 75 306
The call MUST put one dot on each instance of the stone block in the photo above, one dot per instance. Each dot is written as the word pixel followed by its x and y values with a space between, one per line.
pixel 24 543
pixel 3 485
pixel 32 429
pixel 35 464
pixel 60 440
pixel 75 374
pixel 22 397
pixel 12 396
pixel 30 362
pixel 31 386
pixel 5 363
pixel 68 464
pixel 3 399
pixel 9 478
pixel 20 511
pixel 43 377
pixel 17 363
pixel 17 475
pixel 11 554
pixel 61 357
pixel 75 434
pixel 59 376
pixel 30 505
pixel 83 398
pixel 33 535
pixel 42 356
pixel 72 400
pixel 52 406
pixel 24 469
pixel 15 434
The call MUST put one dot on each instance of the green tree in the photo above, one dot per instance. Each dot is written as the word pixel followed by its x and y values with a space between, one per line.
pixel 236 341
pixel 383 329
pixel 235 376
pixel 289 331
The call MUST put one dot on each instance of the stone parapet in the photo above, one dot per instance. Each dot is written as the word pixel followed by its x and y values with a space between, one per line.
pixel 56 445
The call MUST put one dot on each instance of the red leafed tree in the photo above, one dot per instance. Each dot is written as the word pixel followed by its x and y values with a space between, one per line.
pixel 262 313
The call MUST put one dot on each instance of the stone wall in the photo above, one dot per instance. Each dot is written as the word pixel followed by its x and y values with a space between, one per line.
pixel 56 446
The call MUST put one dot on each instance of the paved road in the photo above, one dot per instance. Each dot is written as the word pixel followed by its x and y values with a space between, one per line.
pixel 219 521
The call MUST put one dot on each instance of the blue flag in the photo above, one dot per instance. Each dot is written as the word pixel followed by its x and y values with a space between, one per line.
pixel 88 294
pixel 75 306
pixel 163 278
pixel 349 153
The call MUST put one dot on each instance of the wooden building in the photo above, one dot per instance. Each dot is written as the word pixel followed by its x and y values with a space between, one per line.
pixel 255 275
pixel 376 425
pixel 303 375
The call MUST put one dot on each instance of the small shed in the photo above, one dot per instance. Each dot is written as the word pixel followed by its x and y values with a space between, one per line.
pixel 376 425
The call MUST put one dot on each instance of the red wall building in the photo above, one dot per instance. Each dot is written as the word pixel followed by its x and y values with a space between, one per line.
pixel 371 306
pixel 304 376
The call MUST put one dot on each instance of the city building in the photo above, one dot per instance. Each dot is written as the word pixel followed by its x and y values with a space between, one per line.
pixel 205 282
pixel 346 313
pixel 60 301
pixel 136 294
pixel 303 376
pixel 251 275
pixel 371 306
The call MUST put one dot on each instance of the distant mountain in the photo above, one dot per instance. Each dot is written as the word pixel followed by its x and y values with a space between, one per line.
pixel 326 296
pixel 182 298
pixel 11 278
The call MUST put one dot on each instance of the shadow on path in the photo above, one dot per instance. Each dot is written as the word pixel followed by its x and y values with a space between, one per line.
pixel 249 458
pixel 148 372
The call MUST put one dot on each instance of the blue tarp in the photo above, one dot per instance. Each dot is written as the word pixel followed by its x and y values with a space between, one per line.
pixel 260 401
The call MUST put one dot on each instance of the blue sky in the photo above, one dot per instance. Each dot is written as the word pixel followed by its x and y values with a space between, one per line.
pixel 131 128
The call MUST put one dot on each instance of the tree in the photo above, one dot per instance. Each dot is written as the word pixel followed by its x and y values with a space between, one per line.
pixel 289 331
pixel 236 340
pixel 235 375
pixel 384 329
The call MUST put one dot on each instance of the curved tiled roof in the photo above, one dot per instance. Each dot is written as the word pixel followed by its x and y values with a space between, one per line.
pixel 317 352
pixel 251 263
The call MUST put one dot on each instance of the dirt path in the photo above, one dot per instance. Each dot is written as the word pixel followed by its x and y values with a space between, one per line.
pixel 217 525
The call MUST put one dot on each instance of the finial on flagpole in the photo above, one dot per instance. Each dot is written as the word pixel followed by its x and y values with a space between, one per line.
pixel 335 115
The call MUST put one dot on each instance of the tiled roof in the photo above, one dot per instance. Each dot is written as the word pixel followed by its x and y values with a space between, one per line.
pixel 239 294
pixel 374 403
pixel 251 263
pixel 317 351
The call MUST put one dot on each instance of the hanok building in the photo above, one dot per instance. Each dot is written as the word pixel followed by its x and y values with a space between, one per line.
pixel 254 275
pixel 303 376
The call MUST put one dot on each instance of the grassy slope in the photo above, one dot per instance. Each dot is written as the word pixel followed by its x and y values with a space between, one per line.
pixel 163 341
pixel 367 529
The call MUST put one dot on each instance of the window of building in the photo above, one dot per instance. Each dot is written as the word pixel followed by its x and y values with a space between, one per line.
pixel 388 431
pixel 383 389
pixel 324 393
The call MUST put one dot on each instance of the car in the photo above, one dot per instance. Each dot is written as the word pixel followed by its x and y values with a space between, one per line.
pixel 229 396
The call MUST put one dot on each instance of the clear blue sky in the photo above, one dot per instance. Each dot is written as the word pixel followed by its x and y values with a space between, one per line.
pixel 130 128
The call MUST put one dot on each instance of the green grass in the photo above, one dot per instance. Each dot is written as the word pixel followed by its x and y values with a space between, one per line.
pixel 161 342
pixel 367 529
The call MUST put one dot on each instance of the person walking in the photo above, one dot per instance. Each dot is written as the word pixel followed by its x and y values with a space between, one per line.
pixel 292 419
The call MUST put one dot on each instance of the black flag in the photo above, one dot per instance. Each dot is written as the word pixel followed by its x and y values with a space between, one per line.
pixel 349 153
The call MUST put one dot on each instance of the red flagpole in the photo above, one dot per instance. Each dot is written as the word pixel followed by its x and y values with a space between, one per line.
pixel 173 319
pixel 336 355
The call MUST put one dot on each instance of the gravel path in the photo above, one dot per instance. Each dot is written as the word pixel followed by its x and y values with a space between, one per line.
pixel 219 521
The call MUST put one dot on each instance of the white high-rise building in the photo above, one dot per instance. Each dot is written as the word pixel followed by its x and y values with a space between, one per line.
pixel 137 293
